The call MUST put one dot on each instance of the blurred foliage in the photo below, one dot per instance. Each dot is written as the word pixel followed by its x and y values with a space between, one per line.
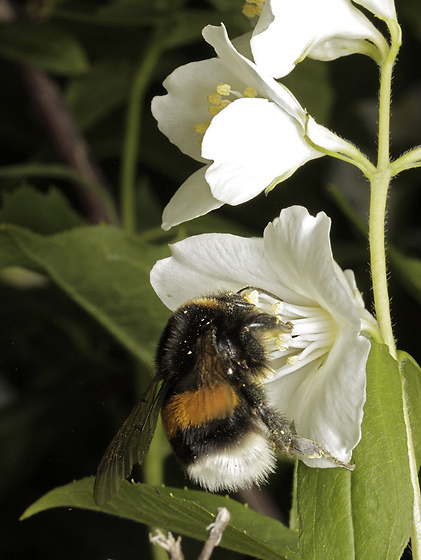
pixel 66 383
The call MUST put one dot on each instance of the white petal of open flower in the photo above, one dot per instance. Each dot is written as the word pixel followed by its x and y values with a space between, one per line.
pixel 191 200
pixel 287 32
pixel 253 143
pixel 319 370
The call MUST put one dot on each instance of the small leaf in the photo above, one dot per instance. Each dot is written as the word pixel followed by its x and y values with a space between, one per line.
pixel 41 212
pixel 186 512
pixel 371 508
pixel 411 372
pixel 42 45
pixel 104 270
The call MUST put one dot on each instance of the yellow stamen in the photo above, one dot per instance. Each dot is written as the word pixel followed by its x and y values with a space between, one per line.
pixel 250 92
pixel 292 360
pixel 214 98
pixel 223 89
pixel 225 103
pixel 250 10
pixel 201 128
pixel 214 110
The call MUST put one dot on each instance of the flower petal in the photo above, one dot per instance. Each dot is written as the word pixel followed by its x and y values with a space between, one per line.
pixel 298 247
pixel 325 29
pixel 326 404
pixel 250 74
pixel 253 143
pixel 191 200
pixel 186 103
pixel 209 263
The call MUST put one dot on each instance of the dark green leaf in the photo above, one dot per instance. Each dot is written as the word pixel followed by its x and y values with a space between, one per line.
pixel 371 508
pixel 40 212
pixel 42 45
pixel 411 372
pixel 188 512
pixel 105 270
pixel 95 95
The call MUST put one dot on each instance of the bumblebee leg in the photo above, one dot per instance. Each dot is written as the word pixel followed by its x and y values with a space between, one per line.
pixel 289 442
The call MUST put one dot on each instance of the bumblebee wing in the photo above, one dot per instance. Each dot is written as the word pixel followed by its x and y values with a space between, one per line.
pixel 130 445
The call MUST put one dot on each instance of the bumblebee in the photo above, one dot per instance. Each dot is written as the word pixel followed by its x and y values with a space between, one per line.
pixel 212 360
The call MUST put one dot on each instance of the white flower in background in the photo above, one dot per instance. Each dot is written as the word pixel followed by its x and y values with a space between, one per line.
pixel 319 370
pixel 287 32
pixel 227 111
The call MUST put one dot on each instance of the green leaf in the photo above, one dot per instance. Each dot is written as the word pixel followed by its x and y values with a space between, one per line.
pixel 368 513
pixel 95 95
pixel 411 372
pixel 42 45
pixel 103 269
pixel 40 212
pixel 187 512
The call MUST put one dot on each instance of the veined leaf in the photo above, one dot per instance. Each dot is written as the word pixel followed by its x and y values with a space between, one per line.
pixel 186 512
pixel 365 514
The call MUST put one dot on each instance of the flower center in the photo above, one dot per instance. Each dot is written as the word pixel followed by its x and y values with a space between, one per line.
pixel 253 8
pixel 310 340
pixel 217 103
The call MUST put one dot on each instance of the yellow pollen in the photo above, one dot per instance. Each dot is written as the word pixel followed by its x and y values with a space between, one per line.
pixel 252 297
pixel 225 103
pixel 223 89
pixel 214 98
pixel 214 110
pixel 201 128
pixel 250 10
pixel 292 360
pixel 277 307
pixel 253 8
pixel 250 92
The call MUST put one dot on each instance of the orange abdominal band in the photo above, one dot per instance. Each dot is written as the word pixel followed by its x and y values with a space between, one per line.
pixel 194 408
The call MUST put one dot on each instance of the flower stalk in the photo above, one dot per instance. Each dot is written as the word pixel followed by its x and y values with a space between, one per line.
pixel 379 190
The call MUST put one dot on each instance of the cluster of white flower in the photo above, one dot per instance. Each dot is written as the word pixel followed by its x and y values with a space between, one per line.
pixel 251 133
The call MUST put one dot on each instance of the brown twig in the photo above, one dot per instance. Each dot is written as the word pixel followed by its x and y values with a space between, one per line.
pixel 65 134
pixel 67 139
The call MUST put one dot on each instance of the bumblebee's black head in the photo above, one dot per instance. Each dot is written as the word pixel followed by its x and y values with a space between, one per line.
pixel 235 328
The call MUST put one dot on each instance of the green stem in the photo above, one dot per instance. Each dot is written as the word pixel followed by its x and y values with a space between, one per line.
pixel 379 189
pixel 133 127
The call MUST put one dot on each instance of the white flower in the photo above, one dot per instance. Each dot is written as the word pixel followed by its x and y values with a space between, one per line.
pixel 287 32
pixel 226 110
pixel 319 371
